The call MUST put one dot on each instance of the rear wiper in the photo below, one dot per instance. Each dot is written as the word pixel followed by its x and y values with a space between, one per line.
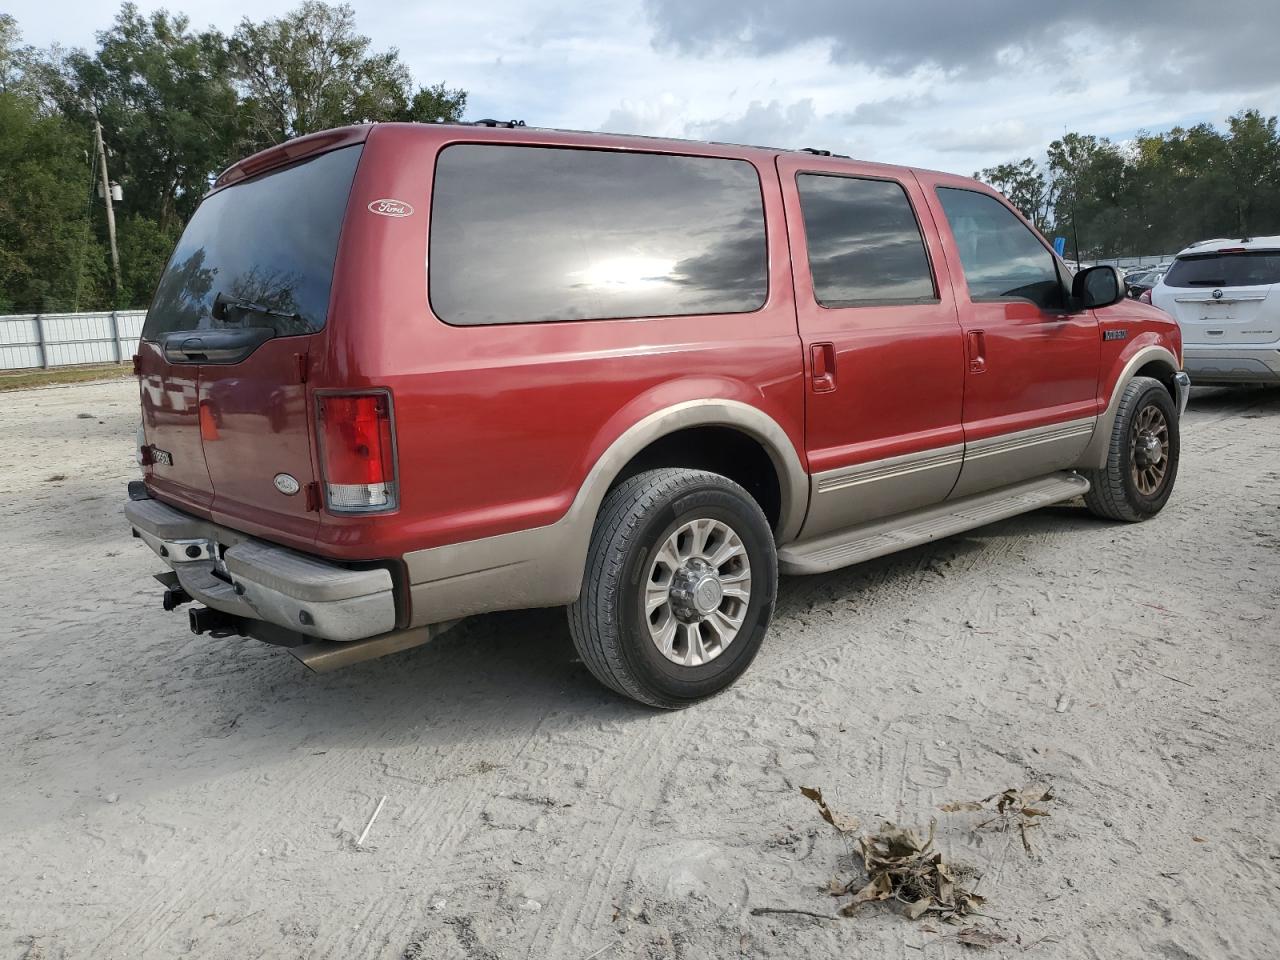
pixel 243 304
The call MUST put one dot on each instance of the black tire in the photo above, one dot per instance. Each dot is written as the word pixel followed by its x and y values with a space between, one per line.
pixel 608 620
pixel 1114 491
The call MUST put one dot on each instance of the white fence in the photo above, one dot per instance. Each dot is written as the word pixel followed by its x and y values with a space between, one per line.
pixel 1149 262
pixel 66 339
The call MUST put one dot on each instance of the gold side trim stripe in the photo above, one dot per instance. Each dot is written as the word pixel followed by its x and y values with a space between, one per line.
pixel 999 445
pixel 993 446
pixel 864 474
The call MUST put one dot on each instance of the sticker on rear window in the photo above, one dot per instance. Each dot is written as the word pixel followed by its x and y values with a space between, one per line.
pixel 391 208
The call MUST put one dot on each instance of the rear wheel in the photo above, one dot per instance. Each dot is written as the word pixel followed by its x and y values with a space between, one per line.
pixel 679 589
pixel 1142 459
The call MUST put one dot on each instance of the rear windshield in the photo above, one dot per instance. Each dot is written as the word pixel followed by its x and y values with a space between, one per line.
pixel 539 234
pixel 269 242
pixel 1254 268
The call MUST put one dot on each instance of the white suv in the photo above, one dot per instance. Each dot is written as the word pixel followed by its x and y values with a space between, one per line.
pixel 1225 294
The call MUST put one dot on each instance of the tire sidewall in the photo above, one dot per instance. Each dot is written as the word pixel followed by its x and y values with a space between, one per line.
pixel 713 501
pixel 1153 394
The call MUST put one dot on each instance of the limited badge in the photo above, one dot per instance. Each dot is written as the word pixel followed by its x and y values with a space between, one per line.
pixel 287 484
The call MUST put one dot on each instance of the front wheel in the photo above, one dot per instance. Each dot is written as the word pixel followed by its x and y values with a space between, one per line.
pixel 680 586
pixel 1142 458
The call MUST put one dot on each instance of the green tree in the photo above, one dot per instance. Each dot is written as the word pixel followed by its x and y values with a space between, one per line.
pixel 145 246
pixel 177 106
pixel 168 109
pixel 434 104
pixel 310 70
pixel 50 259
pixel 1253 160
pixel 1026 186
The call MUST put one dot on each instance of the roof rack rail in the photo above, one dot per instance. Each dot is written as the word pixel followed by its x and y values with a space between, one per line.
pixel 824 153
pixel 509 124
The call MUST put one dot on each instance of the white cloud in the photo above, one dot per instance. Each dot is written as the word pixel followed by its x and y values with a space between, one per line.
pixel 1007 136
pixel 954 104
pixel 763 124
pixel 660 116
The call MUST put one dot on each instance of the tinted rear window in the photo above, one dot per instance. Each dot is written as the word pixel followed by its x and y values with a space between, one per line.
pixel 864 242
pixel 1251 269
pixel 271 241
pixel 537 234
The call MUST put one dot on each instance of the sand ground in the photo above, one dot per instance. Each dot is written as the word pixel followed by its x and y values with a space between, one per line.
pixel 167 795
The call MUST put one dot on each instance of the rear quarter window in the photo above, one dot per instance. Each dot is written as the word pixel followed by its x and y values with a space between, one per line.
pixel 524 234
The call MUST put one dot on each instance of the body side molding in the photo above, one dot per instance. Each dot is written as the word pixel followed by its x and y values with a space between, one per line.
pixel 847 496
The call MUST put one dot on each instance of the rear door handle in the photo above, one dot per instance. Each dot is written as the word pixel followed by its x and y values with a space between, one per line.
pixel 823 356
pixel 222 345
pixel 977 351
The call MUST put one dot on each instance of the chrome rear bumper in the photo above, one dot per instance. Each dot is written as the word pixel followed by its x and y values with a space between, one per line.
pixel 255 580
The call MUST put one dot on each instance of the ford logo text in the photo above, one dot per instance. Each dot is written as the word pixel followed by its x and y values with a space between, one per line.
pixel 391 208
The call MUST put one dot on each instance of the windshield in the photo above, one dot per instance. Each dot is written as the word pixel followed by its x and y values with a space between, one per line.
pixel 268 243
pixel 1248 269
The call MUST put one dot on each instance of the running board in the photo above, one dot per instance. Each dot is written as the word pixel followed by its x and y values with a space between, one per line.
pixel 871 540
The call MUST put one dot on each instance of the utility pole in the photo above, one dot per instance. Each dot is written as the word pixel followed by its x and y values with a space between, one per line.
pixel 111 213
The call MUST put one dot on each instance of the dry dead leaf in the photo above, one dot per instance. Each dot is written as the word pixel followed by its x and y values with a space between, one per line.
pixel 979 936
pixel 1013 808
pixel 902 866
pixel 842 822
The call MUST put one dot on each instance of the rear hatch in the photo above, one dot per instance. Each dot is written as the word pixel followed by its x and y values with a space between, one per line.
pixel 1227 296
pixel 240 310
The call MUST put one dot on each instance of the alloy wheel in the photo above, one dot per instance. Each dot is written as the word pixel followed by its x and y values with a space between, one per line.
pixel 697 592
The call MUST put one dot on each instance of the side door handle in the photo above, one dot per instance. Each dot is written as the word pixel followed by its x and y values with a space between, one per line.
pixel 823 356
pixel 977 351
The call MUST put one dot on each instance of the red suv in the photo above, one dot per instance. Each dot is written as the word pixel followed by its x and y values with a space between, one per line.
pixel 399 374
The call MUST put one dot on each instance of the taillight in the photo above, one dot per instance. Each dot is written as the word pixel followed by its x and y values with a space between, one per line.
pixel 1145 296
pixel 357 452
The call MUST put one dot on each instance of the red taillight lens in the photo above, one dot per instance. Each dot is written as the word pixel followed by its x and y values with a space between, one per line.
pixel 1145 296
pixel 357 452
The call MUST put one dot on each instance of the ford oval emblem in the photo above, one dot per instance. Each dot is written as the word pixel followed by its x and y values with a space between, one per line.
pixel 287 484
pixel 391 208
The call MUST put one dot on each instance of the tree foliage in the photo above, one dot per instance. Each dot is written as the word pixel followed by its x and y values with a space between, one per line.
pixel 49 258
pixel 177 105
pixel 1155 194
pixel 1026 186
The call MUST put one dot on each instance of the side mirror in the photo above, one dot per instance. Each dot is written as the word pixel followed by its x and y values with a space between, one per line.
pixel 1098 287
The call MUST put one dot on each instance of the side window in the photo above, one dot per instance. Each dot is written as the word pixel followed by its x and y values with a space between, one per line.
pixel 864 242
pixel 1000 255
pixel 539 234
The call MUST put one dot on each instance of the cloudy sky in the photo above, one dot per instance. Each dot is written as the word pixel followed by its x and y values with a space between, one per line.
pixel 937 83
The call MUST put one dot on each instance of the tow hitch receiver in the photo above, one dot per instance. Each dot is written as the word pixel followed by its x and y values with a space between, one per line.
pixel 214 622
